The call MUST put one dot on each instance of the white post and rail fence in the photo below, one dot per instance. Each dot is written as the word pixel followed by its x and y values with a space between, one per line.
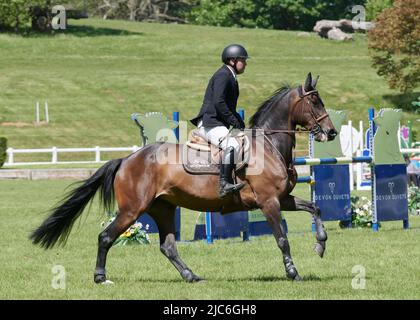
pixel 55 152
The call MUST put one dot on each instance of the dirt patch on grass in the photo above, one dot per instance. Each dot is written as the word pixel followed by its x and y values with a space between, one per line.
pixel 22 124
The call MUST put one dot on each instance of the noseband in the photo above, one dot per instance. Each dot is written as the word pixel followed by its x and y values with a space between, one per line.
pixel 317 127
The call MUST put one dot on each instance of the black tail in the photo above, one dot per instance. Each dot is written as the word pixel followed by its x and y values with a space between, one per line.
pixel 58 225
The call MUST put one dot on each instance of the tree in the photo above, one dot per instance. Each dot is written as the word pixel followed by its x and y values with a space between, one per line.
pixel 375 7
pixel 142 10
pixel 272 14
pixel 395 47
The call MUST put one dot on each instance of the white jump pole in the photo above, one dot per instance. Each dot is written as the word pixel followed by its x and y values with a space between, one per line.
pixel 362 133
pixel 47 117
pixel 350 124
pixel 37 112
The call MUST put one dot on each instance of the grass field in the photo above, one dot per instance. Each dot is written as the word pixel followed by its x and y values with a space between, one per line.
pixel 96 73
pixel 233 269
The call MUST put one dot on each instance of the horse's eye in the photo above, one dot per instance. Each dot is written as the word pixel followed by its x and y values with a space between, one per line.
pixel 314 99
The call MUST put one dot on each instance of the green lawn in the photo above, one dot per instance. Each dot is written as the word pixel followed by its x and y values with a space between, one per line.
pixel 233 269
pixel 96 73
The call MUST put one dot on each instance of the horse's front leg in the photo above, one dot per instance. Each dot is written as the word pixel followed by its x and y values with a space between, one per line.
pixel 271 210
pixel 291 203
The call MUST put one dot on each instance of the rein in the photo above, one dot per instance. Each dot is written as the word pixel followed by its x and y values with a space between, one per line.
pixel 273 131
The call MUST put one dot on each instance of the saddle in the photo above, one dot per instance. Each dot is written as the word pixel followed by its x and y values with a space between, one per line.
pixel 201 157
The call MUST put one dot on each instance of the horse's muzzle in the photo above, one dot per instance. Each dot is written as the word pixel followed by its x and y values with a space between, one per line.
pixel 331 134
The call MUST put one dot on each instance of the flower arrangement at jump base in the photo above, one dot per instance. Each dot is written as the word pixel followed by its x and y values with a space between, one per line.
pixel 361 213
pixel 414 200
pixel 361 208
pixel 135 234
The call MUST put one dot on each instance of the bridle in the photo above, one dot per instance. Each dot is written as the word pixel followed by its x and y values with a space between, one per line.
pixel 317 127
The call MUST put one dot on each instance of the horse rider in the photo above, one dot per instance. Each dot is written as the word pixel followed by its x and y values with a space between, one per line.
pixel 218 113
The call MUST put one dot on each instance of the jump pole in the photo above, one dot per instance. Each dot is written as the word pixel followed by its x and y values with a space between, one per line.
pixel 175 117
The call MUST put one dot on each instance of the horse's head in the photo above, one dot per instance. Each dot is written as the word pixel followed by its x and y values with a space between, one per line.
pixel 309 111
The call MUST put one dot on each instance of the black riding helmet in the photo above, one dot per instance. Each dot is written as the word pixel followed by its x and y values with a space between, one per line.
pixel 234 51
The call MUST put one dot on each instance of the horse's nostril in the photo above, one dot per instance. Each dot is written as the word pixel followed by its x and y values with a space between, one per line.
pixel 332 132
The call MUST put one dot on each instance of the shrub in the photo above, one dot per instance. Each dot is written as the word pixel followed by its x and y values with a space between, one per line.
pixel 16 14
pixel 19 15
pixel 3 148
pixel 394 45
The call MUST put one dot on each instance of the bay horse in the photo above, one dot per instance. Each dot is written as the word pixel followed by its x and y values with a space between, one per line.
pixel 140 184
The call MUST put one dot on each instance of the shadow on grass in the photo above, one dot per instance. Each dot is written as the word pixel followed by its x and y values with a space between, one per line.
pixel 403 100
pixel 89 31
pixel 77 31
pixel 306 278
pixel 123 279
pixel 266 279
pixel 400 229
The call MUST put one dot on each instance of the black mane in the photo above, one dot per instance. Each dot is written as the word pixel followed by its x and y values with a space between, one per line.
pixel 264 109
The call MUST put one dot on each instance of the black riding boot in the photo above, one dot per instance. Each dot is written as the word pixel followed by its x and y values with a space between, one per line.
pixel 226 167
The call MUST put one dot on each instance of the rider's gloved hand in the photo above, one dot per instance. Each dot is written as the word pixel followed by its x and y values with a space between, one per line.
pixel 240 125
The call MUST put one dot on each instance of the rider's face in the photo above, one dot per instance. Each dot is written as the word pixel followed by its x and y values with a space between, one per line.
pixel 240 65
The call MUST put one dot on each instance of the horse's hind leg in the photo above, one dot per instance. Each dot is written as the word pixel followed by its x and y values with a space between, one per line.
pixel 164 215
pixel 271 210
pixel 130 206
pixel 106 238
pixel 291 203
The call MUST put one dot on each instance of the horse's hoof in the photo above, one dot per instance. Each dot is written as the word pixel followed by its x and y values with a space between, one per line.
pixel 292 274
pixel 188 276
pixel 107 282
pixel 298 278
pixel 197 279
pixel 99 278
pixel 320 249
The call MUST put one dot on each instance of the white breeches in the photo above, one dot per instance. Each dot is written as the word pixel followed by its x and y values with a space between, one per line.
pixel 215 134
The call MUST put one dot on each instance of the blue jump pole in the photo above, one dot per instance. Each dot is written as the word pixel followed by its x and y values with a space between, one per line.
pixel 242 113
pixel 372 129
pixel 305 179
pixel 338 160
pixel 245 234
pixel 209 236
pixel 175 117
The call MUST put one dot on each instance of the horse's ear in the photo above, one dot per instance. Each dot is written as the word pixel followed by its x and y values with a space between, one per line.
pixel 308 82
pixel 315 82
